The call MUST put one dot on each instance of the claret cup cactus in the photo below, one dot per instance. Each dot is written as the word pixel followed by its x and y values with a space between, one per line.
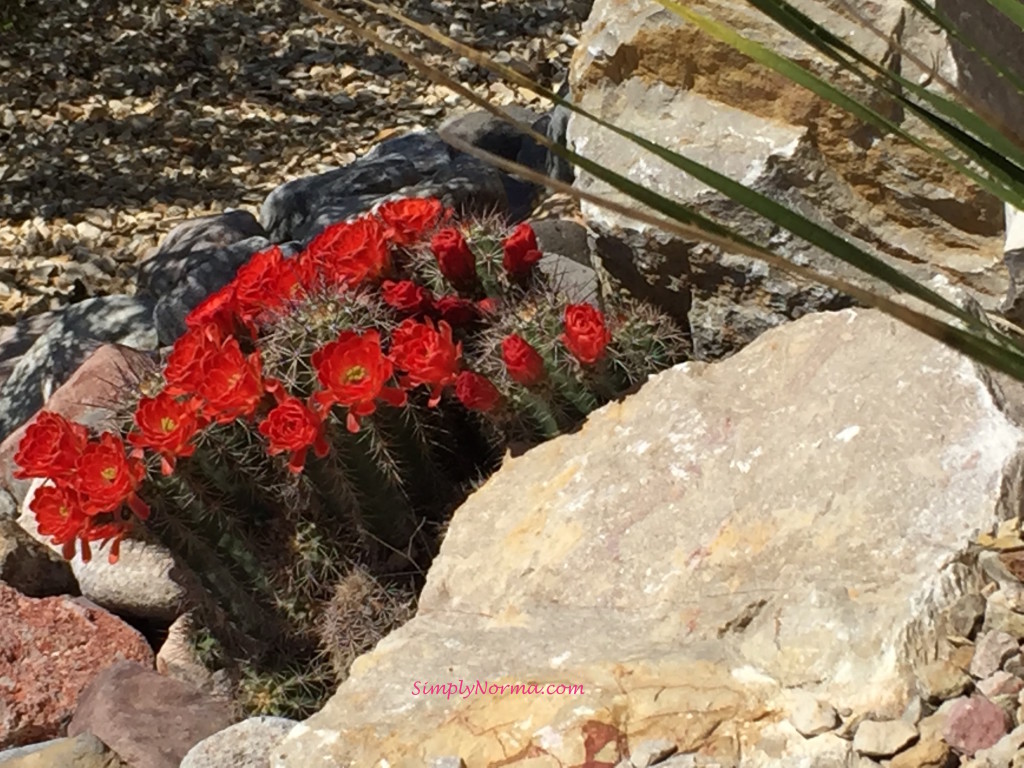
pixel 320 419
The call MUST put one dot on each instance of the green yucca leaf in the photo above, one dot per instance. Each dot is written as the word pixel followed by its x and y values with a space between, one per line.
pixel 1011 9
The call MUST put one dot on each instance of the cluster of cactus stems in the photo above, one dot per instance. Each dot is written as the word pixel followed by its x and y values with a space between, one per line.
pixel 308 497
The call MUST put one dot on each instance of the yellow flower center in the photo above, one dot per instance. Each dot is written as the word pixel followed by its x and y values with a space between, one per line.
pixel 109 473
pixel 354 374
pixel 167 424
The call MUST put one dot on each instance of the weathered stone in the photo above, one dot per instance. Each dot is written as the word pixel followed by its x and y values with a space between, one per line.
pixel 448 761
pixel 811 716
pixel 650 72
pixel 31 568
pixel 50 649
pixel 178 658
pixel 193 244
pixel 88 397
pixel 83 751
pixel 974 723
pixel 146 581
pixel 567 258
pixel 1001 754
pixel 613 559
pixel 78 331
pixel 418 163
pixel 934 753
pixel 941 680
pixel 883 738
pixel 647 753
pixel 966 615
pixel 1001 615
pixel 247 744
pixel 999 684
pixel 991 650
pixel 148 719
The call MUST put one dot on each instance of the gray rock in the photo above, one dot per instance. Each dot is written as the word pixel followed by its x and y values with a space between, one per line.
pixel 192 244
pixel 82 751
pixel 940 680
pixel 247 744
pixel 992 649
pixel 883 738
pixel 17 339
pixel 448 761
pixel 966 615
pixel 146 582
pixel 1002 613
pixel 648 753
pixel 31 567
pixel 811 716
pixel 76 331
pixel 416 164
pixel 216 270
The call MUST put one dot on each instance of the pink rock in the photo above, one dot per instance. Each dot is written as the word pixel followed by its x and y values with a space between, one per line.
pixel 149 720
pixel 974 723
pixel 50 650
pixel 86 397
pixel 999 684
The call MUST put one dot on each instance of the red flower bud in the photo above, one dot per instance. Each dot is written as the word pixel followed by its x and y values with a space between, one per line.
pixel 521 251
pixel 406 296
pixel 523 362
pixel 476 392
pixel 456 260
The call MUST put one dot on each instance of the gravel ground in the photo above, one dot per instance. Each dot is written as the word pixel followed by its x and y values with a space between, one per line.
pixel 119 120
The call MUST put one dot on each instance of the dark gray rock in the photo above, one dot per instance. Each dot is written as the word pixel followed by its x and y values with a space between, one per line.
pixel 30 567
pixel 205 277
pixel 416 164
pixel 558 123
pixel 566 258
pixel 75 332
pixel 192 244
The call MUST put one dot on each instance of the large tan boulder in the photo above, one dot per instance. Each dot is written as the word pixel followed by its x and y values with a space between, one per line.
pixel 644 69
pixel 698 559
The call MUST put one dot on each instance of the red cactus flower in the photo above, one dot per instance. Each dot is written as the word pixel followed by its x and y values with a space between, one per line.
pixel 106 477
pixel 292 427
pixel 409 219
pixel 217 309
pixel 58 513
pixel 349 253
pixel 50 447
pixel 353 372
pixel 523 363
pixel 456 311
pixel 190 358
pixel 476 392
pixel 406 296
pixel 454 258
pixel 586 335
pixel 520 251
pixel 165 425
pixel 232 385
pixel 264 284
pixel 427 354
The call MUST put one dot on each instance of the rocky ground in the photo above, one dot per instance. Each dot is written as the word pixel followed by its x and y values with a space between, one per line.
pixel 119 120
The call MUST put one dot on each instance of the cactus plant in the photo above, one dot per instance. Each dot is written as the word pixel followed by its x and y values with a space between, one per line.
pixel 322 416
